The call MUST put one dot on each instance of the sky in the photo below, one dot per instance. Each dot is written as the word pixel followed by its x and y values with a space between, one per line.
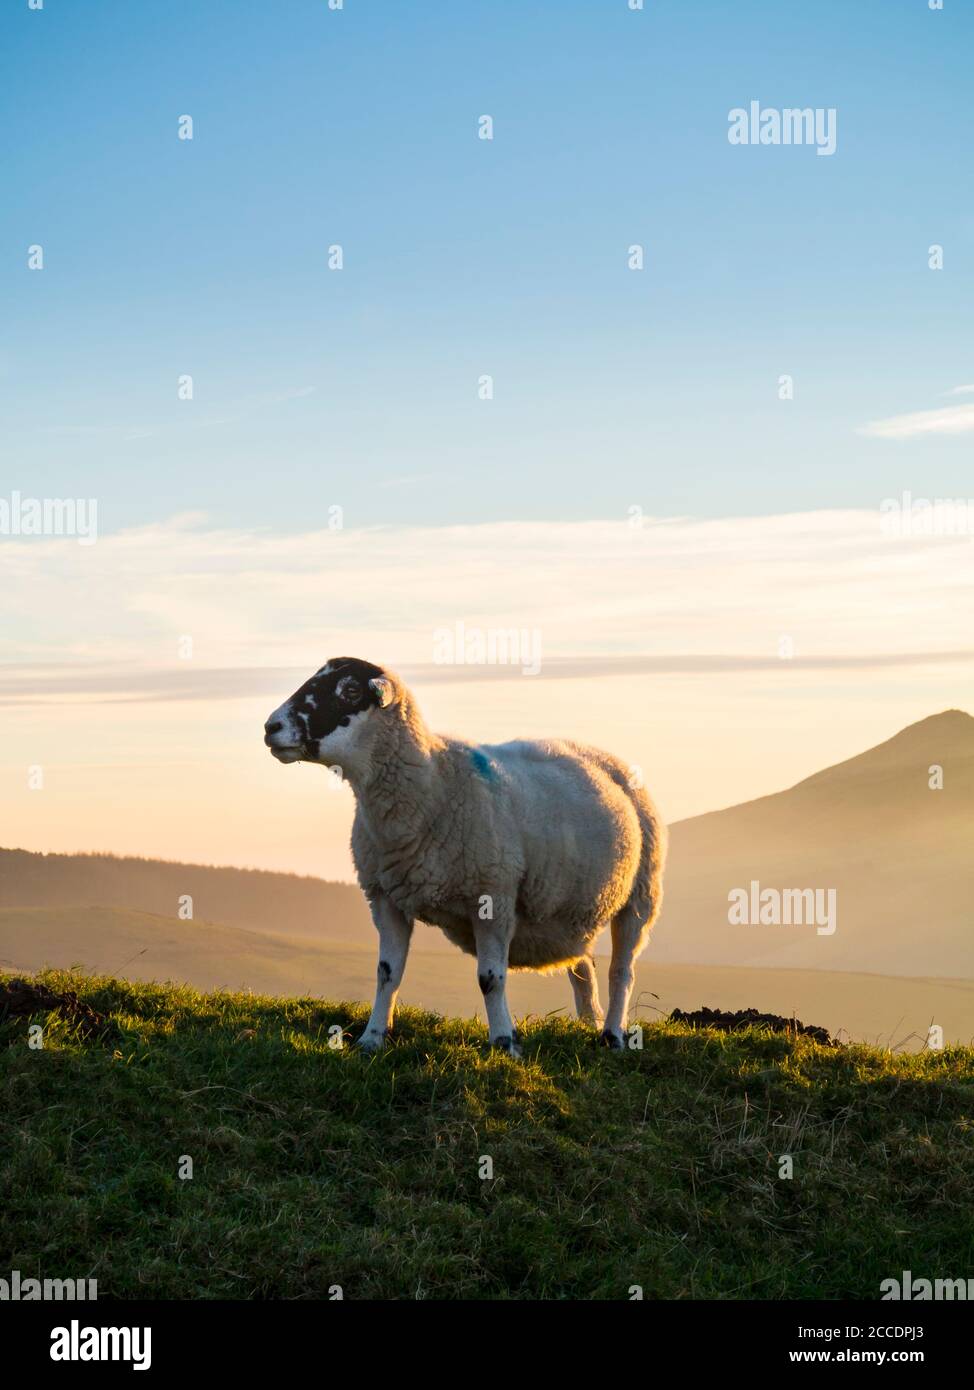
pixel 637 486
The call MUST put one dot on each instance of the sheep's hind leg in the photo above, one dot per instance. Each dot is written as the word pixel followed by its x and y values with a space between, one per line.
pixel 585 987
pixel 493 942
pixel 627 940
pixel 395 932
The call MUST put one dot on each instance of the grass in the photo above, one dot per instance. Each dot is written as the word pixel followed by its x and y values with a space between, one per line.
pixel 315 1167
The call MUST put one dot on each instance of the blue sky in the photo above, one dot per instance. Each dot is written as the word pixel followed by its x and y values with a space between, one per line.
pixel 464 257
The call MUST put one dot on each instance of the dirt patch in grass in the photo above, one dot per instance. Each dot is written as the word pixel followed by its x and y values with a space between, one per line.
pixel 21 998
pixel 750 1018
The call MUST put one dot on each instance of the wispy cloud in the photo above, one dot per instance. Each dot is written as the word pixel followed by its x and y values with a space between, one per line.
pixel 671 597
pixel 953 419
pixel 31 684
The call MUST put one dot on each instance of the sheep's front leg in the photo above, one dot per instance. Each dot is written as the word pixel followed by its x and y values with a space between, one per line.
pixel 493 943
pixel 395 931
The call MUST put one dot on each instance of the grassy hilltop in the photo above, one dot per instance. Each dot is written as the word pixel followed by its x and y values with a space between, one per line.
pixel 316 1166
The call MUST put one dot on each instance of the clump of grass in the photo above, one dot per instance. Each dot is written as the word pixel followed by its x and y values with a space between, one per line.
pixel 315 1166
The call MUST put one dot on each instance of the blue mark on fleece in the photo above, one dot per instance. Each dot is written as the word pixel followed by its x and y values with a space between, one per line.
pixel 482 765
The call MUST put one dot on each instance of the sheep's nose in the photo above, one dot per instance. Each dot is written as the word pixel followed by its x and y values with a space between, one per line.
pixel 270 728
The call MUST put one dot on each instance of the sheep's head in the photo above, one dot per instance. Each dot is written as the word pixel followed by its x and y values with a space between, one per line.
pixel 326 719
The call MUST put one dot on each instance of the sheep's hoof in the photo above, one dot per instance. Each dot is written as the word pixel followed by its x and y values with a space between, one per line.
pixel 510 1045
pixel 615 1041
pixel 372 1042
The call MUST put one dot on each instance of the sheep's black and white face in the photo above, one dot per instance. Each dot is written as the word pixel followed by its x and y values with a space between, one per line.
pixel 324 719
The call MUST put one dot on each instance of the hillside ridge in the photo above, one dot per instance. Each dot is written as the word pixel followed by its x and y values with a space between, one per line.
pixel 315 1166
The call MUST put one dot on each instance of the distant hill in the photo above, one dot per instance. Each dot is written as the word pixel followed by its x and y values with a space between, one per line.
pixel 144 946
pixel 249 898
pixel 899 855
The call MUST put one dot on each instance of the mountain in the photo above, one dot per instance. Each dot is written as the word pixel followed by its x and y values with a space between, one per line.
pixel 898 854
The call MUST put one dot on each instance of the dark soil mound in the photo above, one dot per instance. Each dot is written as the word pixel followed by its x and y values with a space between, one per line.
pixel 750 1018
pixel 20 997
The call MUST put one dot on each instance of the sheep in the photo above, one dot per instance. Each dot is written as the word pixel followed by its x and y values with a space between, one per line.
pixel 521 852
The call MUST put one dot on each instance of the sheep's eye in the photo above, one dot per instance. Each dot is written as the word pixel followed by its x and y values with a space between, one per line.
pixel 348 690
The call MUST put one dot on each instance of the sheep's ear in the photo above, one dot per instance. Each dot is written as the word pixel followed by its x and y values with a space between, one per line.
pixel 384 690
